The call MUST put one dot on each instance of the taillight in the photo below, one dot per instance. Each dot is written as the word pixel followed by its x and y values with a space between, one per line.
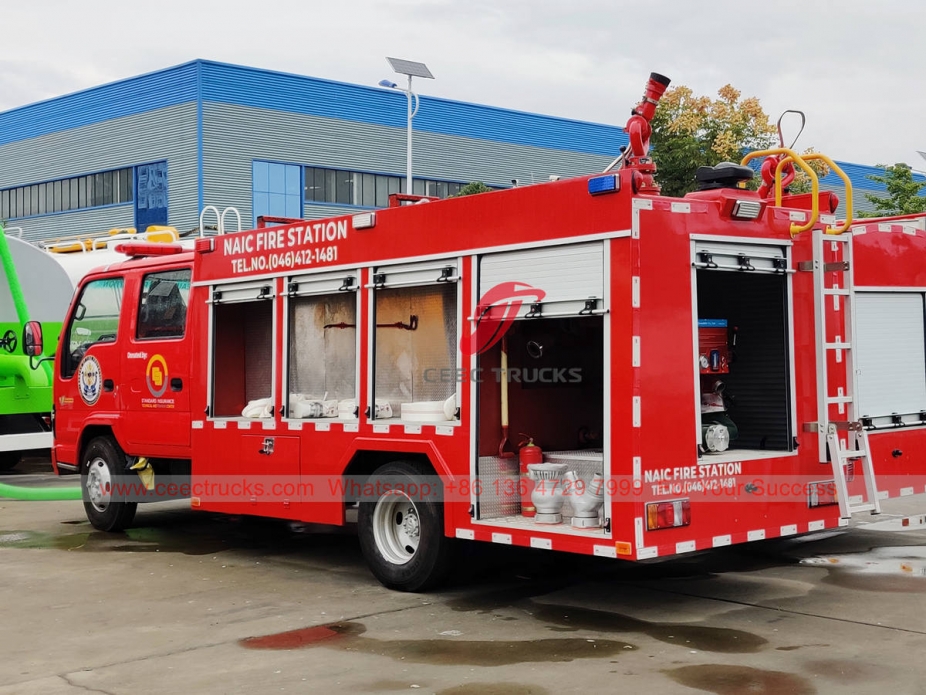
pixel 668 514
pixel 822 494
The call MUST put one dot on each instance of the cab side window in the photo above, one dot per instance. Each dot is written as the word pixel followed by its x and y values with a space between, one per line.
pixel 163 304
pixel 95 320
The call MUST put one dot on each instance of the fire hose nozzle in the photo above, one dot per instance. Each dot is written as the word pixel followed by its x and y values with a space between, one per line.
pixel 655 88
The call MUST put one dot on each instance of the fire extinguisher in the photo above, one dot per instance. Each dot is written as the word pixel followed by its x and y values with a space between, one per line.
pixel 529 453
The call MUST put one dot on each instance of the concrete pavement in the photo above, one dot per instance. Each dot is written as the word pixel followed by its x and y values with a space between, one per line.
pixel 200 603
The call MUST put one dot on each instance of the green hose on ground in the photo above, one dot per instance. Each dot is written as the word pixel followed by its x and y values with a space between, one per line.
pixel 39 494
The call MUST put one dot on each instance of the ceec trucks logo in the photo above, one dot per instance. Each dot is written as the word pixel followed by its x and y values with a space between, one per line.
pixel 495 313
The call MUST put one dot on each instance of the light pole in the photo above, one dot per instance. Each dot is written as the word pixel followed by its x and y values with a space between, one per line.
pixel 411 69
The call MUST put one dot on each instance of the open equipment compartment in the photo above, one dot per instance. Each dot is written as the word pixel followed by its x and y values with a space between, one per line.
pixel 415 349
pixel 321 332
pixel 742 338
pixel 555 395
pixel 541 392
pixel 416 352
pixel 242 352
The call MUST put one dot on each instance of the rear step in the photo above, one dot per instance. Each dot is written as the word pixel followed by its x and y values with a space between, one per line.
pixel 840 458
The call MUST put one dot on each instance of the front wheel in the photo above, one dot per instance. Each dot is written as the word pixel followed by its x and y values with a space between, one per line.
pixel 402 527
pixel 101 481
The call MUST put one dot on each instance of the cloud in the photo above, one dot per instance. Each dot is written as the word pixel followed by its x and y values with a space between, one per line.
pixel 853 67
pixel 25 82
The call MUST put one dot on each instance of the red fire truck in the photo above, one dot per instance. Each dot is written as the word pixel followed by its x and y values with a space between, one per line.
pixel 687 373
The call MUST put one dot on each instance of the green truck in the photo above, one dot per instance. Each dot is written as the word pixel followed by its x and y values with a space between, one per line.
pixel 37 284
pixel 35 287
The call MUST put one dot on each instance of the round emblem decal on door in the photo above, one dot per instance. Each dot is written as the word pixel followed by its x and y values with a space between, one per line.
pixel 156 376
pixel 90 380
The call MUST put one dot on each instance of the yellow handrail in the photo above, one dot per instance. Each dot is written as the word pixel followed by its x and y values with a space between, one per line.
pixel 82 242
pixel 100 240
pixel 848 184
pixel 814 183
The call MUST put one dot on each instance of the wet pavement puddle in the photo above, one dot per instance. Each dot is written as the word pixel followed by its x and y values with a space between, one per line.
pixel 349 636
pixel 207 534
pixel 690 636
pixel 133 540
pixel 890 569
pixel 573 619
pixel 735 680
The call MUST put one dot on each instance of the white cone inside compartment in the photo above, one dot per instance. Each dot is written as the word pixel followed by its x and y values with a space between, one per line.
pixel 547 495
pixel 717 438
pixel 586 499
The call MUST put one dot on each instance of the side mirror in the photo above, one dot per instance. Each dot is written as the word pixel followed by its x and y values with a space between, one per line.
pixel 33 345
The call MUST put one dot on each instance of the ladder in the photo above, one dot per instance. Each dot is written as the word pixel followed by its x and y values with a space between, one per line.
pixel 841 433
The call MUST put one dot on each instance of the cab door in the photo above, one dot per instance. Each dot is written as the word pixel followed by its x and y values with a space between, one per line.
pixel 156 364
pixel 90 363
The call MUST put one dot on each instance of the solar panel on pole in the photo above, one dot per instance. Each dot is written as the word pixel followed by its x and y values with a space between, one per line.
pixel 410 68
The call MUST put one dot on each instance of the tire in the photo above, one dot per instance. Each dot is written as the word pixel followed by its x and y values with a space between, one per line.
pixel 401 536
pixel 103 466
pixel 9 459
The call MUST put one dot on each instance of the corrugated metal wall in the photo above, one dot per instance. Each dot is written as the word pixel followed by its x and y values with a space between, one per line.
pixel 235 135
pixel 860 202
pixel 168 133
pixel 311 96
pixel 136 95
pixel 77 222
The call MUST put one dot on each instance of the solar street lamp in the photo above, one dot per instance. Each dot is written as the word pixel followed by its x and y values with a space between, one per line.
pixel 411 69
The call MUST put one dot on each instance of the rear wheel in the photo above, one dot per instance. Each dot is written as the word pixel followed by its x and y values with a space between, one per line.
pixel 102 480
pixel 402 527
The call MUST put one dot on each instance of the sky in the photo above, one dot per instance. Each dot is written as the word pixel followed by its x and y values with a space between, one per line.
pixel 856 69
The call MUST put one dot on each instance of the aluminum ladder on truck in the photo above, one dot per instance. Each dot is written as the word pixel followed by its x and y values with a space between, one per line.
pixel 845 438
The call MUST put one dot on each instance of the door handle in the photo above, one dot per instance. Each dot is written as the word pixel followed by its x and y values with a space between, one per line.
pixel 108 385
pixel 176 384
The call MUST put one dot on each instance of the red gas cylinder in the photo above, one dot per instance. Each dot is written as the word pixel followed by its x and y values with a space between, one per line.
pixel 530 453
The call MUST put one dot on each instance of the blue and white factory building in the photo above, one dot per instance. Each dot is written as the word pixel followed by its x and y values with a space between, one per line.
pixel 157 148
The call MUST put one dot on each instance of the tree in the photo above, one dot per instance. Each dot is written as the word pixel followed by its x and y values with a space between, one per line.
pixel 903 193
pixel 472 188
pixel 691 131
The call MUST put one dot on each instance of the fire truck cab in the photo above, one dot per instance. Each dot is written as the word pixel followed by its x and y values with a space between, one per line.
pixel 122 376
pixel 681 374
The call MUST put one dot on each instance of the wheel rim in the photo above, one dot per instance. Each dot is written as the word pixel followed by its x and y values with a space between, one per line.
pixel 99 484
pixel 396 527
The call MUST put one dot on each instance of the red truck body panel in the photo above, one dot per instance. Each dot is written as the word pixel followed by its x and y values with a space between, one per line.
pixel 641 398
